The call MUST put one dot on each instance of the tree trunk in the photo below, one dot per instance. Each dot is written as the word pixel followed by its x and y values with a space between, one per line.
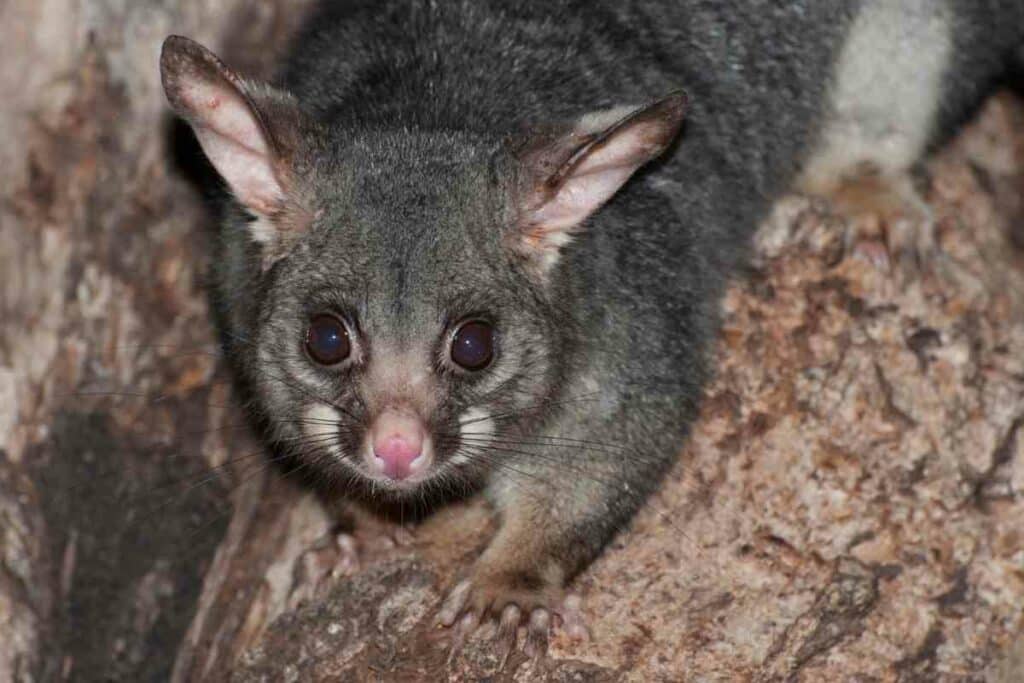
pixel 850 507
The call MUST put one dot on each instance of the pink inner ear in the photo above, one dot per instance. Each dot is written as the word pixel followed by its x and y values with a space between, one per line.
pixel 578 197
pixel 234 141
pixel 594 180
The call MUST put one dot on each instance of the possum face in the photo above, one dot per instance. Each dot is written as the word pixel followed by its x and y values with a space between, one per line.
pixel 409 319
pixel 399 334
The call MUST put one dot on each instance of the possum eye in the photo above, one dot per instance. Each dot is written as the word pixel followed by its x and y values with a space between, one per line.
pixel 473 345
pixel 327 340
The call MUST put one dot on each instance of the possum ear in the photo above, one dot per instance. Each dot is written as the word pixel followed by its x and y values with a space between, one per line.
pixel 571 175
pixel 247 130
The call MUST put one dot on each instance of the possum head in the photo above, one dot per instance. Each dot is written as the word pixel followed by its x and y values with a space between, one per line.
pixel 407 318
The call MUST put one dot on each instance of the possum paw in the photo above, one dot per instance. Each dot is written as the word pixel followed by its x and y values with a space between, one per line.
pixel 888 222
pixel 517 603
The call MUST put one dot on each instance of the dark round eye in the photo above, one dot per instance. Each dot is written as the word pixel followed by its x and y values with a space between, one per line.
pixel 473 345
pixel 327 340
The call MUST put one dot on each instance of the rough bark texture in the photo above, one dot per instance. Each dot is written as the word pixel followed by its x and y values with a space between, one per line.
pixel 851 506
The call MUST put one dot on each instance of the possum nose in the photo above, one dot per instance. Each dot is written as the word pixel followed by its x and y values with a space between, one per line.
pixel 398 443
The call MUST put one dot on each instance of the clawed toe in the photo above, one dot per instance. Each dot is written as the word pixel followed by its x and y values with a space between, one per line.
pixel 572 619
pixel 537 632
pixel 464 612
pixel 348 555
pixel 888 223
pixel 454 604
pixel 465 627
pixel 505 637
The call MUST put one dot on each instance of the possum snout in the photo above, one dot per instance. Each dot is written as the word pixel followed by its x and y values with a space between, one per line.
pixel 399 445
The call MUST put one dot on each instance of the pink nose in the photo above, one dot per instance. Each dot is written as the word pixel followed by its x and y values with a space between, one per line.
pixel 397 442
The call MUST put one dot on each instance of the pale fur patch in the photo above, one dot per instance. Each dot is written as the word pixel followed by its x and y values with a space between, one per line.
pixel 262 230
pixel 885 94
pixel 597 121
pixel 477 423
pixel 321 423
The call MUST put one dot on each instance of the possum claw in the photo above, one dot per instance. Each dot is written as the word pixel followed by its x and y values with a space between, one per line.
pixel 505 638
pixel 572 620
pixel 463 629
pixel 537 632
pixel 511 609
pixel 454 604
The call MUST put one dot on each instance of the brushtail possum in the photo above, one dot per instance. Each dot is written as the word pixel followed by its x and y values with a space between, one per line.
pixel 475 244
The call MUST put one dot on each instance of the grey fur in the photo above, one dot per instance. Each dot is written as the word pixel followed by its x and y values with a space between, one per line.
pixel 411 111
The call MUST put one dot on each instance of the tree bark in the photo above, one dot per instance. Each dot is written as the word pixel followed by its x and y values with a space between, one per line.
pixel 850 506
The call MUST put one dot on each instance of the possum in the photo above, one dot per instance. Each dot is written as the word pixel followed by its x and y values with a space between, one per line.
pixel 474 245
